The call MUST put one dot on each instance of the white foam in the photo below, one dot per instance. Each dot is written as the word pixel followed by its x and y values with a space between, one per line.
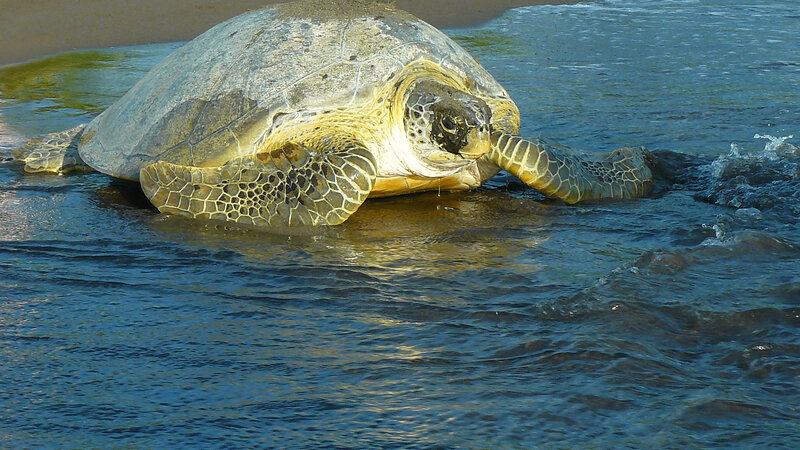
pixel 777 144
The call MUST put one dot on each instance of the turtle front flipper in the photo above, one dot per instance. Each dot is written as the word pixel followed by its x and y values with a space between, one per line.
pixel 293 185
pixel 623 173
pixel 54 152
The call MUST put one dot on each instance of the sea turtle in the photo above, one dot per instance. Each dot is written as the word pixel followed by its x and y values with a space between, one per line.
pixel 295 114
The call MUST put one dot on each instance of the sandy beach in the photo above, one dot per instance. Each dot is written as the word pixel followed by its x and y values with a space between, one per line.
pixel 35 28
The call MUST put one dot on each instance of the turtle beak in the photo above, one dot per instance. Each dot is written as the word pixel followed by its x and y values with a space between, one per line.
pixel 478 142
pixel 479 137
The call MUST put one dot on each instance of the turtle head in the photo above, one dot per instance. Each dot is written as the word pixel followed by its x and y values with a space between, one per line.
pixel 445 124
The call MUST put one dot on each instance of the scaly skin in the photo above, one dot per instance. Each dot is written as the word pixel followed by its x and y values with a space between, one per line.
pixel 624 173
pixel 291 186
pixel 54 152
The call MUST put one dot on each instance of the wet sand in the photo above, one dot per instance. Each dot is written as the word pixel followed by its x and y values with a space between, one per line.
pixel 36 28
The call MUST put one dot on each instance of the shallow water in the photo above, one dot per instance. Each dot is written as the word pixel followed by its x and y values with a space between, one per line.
pixel 477 319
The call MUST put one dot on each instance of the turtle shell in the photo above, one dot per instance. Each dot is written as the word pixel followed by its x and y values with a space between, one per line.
pixel 214 97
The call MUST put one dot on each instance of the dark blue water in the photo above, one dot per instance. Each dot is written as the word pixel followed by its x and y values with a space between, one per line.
pixel 489 318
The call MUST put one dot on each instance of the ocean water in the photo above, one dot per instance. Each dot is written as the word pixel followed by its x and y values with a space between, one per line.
pixel 489 318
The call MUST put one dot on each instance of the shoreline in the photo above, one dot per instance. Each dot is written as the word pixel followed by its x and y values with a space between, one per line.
pixel 30 33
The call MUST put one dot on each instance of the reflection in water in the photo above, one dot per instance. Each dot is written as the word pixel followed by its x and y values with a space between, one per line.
pixel 491 41
pixel 63 79
pixel 58 92
pixel 440 235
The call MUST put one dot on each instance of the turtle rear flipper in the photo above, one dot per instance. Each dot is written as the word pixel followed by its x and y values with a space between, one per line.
pixel 623 173
pixel 54 152
pixel 290 186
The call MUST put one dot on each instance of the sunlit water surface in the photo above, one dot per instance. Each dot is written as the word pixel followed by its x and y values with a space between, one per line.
pixel 476 319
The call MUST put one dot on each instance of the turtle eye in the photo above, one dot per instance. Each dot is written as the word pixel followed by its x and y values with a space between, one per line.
pixel 448 124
